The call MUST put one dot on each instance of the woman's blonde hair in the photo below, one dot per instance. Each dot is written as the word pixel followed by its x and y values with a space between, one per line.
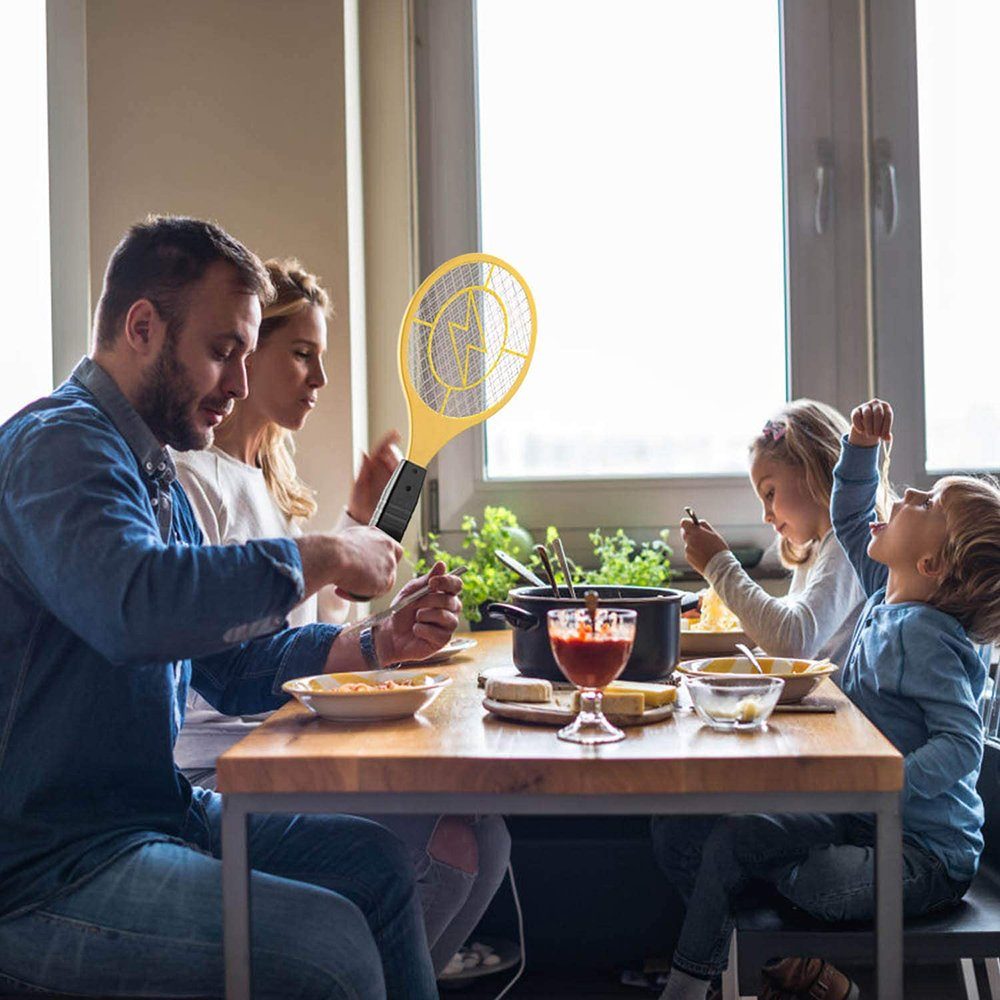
pixel 806 435
pixel 296 290
pixel 970 587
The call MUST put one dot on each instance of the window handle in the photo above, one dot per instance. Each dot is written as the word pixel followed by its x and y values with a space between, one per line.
pixel 823 208
pixel 886 191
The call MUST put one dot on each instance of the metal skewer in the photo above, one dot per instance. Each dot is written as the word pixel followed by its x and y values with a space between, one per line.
pixel 557 545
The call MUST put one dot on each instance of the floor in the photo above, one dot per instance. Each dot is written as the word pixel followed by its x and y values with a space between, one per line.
pixel 931 982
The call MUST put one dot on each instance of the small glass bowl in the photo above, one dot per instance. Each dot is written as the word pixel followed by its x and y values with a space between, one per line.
pixel 728 706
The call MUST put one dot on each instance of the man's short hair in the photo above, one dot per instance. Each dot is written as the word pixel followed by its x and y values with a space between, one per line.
pixel 159 259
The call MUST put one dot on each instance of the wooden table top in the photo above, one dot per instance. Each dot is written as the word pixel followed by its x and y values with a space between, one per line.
pixel 455 745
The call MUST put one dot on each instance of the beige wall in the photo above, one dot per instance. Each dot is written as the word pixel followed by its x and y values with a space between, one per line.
pixel 232 110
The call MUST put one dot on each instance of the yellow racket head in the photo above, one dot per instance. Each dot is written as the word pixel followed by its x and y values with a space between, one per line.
pixel 466 341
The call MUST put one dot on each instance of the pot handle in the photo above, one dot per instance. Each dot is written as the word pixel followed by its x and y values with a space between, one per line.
pixel 515 616
pixel 689 602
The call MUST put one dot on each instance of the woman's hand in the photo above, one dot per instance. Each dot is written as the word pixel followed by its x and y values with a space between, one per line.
pixel 701 542
pixel 417 631
pixel 375 472
pixel 871 422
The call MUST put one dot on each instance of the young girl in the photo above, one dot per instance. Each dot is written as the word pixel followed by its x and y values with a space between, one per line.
pixel 791 469
pixel 244 487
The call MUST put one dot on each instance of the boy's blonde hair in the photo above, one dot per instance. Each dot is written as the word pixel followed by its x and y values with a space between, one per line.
pixel 806 435
pixel 970 588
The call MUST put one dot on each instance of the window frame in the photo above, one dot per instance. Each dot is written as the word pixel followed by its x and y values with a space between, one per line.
pixel 825 273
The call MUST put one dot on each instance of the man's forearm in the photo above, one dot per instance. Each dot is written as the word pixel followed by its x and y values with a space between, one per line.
pixel 318 554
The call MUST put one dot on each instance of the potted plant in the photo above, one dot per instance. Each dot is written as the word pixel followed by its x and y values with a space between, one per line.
pixel 622 561
pixel 486 579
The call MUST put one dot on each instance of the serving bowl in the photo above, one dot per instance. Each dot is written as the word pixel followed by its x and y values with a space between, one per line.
pixel 728 706
pixel 800 676
pixel 320 695
pixel 699 643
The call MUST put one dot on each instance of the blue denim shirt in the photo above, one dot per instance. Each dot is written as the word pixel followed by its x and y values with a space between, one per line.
pixel 110 605
pixel 917 676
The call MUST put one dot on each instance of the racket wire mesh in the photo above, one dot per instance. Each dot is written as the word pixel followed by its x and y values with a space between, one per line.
pixel 469 339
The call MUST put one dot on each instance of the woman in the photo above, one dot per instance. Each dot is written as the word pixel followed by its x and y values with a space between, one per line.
pixel 245 486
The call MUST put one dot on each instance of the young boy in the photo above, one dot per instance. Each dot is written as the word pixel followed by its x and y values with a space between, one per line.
pixel 932 576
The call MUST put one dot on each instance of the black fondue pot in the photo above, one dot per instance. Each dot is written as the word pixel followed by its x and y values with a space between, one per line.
pixel 657 627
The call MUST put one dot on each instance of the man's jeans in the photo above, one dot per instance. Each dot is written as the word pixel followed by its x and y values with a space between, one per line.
pixel 823 864
pixel 334 915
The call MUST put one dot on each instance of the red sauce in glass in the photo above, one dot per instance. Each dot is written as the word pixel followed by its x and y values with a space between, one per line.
pixel 589 660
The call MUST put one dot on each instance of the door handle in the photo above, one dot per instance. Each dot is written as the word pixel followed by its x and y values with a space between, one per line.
pixel 823 206
pixel 885 188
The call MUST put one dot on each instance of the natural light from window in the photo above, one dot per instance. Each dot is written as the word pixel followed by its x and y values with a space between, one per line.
pixel 958 79
pixel 26 330
pixel 631 169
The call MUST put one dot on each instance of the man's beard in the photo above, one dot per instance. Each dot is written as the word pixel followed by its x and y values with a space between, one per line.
pixel 167 402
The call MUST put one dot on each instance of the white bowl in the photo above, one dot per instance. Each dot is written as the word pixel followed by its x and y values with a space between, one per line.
pixel 728 706
pixel 320 695
pixel 800 676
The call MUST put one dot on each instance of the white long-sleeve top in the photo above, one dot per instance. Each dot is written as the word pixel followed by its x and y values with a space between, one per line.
pixel 814 620
pixel 233 505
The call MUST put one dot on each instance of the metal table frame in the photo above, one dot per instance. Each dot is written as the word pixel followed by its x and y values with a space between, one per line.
pixel 885 805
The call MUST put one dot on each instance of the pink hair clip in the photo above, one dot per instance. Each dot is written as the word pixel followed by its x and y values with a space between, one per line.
pixel 775 430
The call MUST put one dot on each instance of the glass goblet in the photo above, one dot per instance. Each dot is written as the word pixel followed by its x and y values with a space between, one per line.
pixel 591 653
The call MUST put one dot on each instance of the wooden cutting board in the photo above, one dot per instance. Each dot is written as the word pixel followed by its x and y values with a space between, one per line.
pixel 558 712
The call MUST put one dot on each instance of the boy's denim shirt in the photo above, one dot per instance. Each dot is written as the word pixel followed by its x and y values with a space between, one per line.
pixel 110 605
pixel 914 672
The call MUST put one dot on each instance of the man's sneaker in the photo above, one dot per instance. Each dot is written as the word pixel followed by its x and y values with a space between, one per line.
pixel 805 979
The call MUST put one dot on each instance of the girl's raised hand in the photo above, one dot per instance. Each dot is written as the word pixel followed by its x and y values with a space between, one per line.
pixel 375 472
pixel 871 422
pixel 701 542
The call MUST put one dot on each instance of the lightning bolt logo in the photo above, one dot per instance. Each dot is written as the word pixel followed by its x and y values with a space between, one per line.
pixel 471 313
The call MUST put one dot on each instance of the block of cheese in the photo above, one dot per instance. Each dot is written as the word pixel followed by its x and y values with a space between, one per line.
pixel 617 703
pixel 531 689
pixel 656 695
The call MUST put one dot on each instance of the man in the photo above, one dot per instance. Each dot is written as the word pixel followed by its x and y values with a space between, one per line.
pixel 110 879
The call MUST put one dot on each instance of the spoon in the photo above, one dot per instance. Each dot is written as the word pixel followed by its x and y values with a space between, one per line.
pixel 753 659
pixel 529 577
pixel 564 565
pixel 543 553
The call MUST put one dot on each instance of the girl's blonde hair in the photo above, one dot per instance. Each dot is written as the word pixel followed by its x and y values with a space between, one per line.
pixel 296 290
pixel 806 435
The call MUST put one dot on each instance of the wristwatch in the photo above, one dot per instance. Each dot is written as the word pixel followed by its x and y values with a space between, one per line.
pixel 366 640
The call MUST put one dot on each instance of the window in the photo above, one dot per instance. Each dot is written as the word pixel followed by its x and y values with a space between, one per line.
pixel 663 175
pixel 644 205
pixel 957 82
pixel 25 333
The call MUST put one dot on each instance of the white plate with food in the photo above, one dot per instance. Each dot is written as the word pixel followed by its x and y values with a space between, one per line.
pixel 367 696
pixel 444 653
pixel 714 629
pixel 800 676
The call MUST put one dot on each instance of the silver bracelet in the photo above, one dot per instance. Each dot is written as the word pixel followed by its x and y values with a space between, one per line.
pixel 366 642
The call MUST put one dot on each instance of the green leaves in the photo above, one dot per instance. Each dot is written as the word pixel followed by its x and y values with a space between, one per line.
pixel 620 560
pixel 487 579
pixel 623 562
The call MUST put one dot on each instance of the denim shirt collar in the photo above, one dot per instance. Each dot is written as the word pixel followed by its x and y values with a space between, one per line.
pixel 154 458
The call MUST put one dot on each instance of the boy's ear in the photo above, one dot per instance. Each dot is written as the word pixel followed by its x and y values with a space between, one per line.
pixel 931 566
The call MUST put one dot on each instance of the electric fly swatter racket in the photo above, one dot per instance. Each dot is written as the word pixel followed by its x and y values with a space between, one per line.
pixel 464 348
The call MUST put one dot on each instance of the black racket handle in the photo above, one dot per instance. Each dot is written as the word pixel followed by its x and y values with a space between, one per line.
pixel 399 499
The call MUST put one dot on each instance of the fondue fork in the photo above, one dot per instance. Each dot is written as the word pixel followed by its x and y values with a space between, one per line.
pixel 543 553
pixel 557 545
pixel 385 615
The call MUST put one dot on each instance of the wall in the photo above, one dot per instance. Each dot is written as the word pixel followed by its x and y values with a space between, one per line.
pixel 233 110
